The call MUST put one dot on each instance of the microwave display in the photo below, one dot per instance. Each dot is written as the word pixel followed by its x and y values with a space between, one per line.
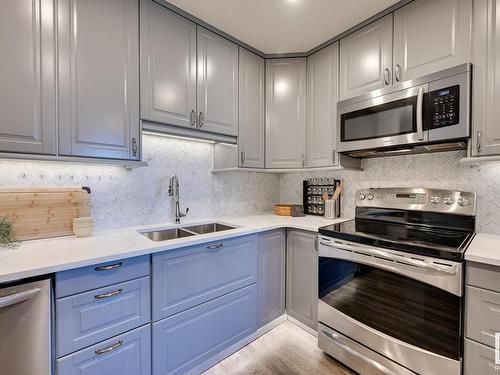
pixel 444 107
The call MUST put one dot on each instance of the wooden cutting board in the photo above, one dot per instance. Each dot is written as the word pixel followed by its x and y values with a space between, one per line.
pixel 43 212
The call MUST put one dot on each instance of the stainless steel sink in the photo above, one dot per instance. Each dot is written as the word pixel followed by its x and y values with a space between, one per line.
pixel 208 228
pixel 167 234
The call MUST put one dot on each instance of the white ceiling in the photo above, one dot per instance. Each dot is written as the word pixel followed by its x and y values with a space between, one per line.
pixel 283 26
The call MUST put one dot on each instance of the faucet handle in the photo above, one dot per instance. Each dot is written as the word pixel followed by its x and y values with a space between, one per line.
pixel 185 213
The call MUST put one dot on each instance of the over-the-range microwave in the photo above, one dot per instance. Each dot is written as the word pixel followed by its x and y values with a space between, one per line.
pixel 427 114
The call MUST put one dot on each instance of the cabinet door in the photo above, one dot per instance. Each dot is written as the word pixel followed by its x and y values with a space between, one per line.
pixel 322 83
pixel 251 110
pixel 302 278
pixel 99 78
pixel 285 113
pixel 430 36
pixel 27 79
pixel 486 79
pixel 271 278
pixel 366 59
pixel 168 66
pixel 217 84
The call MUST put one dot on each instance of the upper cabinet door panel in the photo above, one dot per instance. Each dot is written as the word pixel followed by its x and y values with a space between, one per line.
pixel 27 79
pixel 217 84
pixel 366 59
pixel 168 66
pixel 322 83
pixel 251 109
pixel 99 78
pixel 285 113
pixel 430 36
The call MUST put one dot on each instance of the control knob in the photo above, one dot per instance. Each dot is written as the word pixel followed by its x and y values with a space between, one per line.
pixel 463 202
pixel 435 200
pixel 448 201
pixel 362 197
pixel 370 197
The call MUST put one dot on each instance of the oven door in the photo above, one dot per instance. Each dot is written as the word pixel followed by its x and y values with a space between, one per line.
pixel 401 306
pixel 392 119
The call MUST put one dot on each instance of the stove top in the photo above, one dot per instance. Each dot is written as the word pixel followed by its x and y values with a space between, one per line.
pixel 435 223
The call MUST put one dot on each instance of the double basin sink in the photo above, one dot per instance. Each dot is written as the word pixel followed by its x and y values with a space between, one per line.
pixel 193 230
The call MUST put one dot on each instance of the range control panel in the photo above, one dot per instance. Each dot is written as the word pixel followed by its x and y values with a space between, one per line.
pixel 444 107
pixel 432 200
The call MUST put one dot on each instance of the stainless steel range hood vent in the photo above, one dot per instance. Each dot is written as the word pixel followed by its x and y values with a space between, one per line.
pixel 408 150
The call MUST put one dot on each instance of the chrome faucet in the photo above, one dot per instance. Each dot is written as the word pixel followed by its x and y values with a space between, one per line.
pixel 173 191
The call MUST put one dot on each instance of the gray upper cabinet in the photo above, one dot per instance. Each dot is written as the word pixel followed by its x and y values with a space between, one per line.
pixel 99 78
pixel 27 78
pixel 302 278
pixel 486 78
pixel 217 84
pixel 322 96
pixel 285 113
pixel 251 110
pixel 168 66
pixel 366 59
pixel 430 36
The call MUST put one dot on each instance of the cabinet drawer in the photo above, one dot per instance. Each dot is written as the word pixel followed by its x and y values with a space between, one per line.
pixel 99 275
pixel 198 274
pixel 87 318
pixel 189 338
pixel 127 354
pixel 479 359
pixel 483 276
pixel 482 316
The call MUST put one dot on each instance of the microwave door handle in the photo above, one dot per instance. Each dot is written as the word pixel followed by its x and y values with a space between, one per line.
pixel 420 114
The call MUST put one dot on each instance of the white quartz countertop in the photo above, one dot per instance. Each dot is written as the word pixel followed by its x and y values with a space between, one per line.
pixel 484 248
pixel 39 257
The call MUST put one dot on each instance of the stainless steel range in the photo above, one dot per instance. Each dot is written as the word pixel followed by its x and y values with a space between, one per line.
pixel 391 281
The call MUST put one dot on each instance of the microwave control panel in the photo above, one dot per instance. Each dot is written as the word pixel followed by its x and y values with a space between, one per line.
pixel 444 107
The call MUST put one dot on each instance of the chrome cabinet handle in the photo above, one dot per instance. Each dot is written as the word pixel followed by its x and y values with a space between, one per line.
pixel 388 256
pixel 333 157
pixel 134 147
pixel 387 74
pixel 420 106
pixel 215 247
pixel 18 297
pixel 242 154
pixel 201 119
pixel 110 348
pixel 110 294
pixel 397 73
pixel 355 353
pixel 303 159
pixel 193 117
pixel 479 134
pixel 108 267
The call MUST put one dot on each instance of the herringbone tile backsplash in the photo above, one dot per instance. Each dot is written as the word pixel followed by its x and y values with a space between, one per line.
pixel 439 170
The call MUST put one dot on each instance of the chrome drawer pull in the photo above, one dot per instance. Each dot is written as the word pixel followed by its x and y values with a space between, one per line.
pixel 110 348
pixel 107 295
pixel 108 267
pixel 214 247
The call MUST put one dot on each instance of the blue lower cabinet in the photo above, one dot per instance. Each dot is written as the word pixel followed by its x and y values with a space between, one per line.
pixel 127 354
pixel 194 275
pixel 87 318
pixel 185 340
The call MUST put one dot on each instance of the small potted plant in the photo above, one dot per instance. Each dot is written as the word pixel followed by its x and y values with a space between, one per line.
pixel 7 235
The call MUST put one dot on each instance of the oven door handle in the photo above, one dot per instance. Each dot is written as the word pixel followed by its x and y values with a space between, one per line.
pixel 420 113
pixel 450 270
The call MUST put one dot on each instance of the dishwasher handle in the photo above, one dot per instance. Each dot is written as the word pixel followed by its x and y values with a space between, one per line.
pixel 18 297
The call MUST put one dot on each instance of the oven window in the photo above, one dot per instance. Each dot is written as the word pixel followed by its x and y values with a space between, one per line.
pixel 394 118
pixel 403 308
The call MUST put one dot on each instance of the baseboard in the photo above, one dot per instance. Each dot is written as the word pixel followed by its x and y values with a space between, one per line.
pixel 303 326
pixel 237 346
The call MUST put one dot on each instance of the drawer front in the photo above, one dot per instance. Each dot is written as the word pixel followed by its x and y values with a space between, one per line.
pixel 198 274
pixel 99 275
pixel 87 318
pixel 479 359
pixel 187 339
pixel 127 354
pixel 482 316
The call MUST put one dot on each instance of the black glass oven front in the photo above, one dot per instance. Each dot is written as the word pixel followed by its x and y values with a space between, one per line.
pixel 403 308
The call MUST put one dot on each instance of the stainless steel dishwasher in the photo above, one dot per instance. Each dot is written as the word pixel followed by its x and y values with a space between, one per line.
pixel 25 326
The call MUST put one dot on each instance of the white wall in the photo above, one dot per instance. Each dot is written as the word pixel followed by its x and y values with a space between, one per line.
pixel 123 198
pixel 439 170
